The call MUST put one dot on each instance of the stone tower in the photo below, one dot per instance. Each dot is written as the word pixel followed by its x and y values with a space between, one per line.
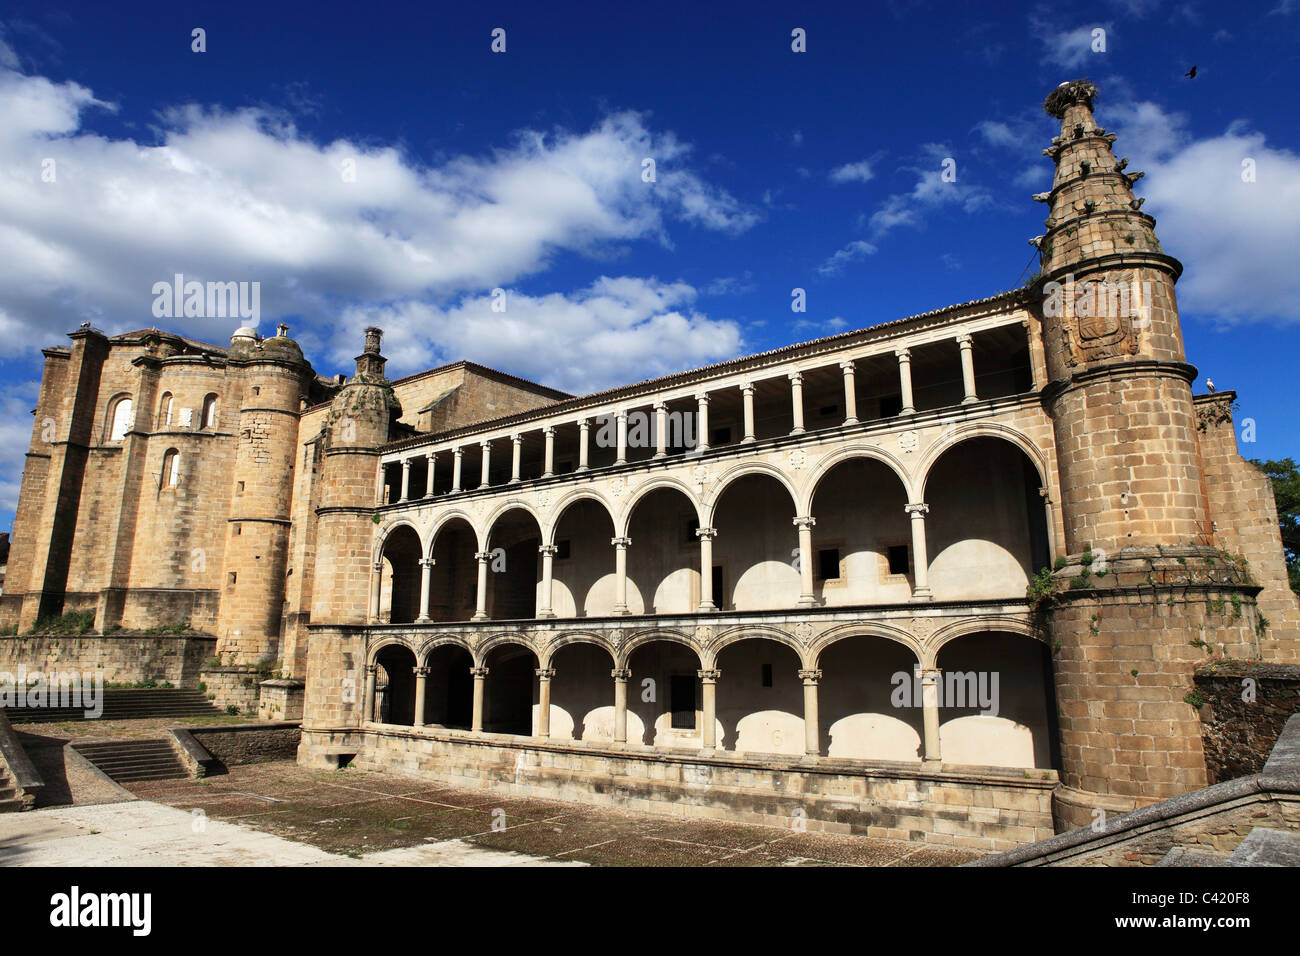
pixel 1146 593
pixel 358 424
pixel 275 379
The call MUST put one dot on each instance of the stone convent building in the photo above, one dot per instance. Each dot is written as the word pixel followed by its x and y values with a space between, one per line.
pixel 802 585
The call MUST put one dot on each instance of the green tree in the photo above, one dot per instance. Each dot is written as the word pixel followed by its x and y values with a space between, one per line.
pixel 1286 491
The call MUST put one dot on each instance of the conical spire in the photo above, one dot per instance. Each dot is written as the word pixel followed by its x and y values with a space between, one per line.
pixel 1093 210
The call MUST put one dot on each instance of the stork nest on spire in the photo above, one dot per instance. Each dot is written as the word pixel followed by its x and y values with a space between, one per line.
pixel 1067 94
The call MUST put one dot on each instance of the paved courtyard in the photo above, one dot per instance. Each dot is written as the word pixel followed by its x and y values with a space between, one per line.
pixel 284 815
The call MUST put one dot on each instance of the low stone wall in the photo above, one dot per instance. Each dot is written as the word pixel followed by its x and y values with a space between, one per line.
pixel 237 744
pixel 237 686
pixel 975 808
pixel 1238 733
pixel 121 658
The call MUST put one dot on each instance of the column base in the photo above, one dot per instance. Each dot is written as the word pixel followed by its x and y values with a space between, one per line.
pixel 970 399
pixel 548 474
pixel 797 431
pixel 707 608
pixel 546 615
pixel 514 481
pixel 807 600
pixel 748 438
pixel 921 595
pixel 621 611
pixel 422 619
pixel 479 617
pixel 659 454
pixel 908 411
pixel 850 421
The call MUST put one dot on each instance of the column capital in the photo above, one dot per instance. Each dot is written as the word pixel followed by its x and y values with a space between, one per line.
pixel 371 669
pixel 1043 493
pixel 621 673
pixel 810 676
pixel 848 367
pixel 706 533
pixel 964 340
pixel 710 676
pixel 917 510
pixel 805 521
pixel 478 673
pixel 903 355
pixel 584 422
pixel 747 388
pixel 544 673
pixel 795 377
pixel 483 557
pixel 621 542
pixel 549 549
pixel 485 444
pixel 431 455
pixel 621 415
pixel 420 671
pixel 661 406
pixel 406 464
pixel 927 675
pixel 458 451
pixel 517 439
pixel 549 431
pixel 427 562
pixel 702 397
pixel 378 566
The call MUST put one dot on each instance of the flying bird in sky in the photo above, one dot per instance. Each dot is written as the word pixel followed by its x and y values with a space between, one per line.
pixel 1191 73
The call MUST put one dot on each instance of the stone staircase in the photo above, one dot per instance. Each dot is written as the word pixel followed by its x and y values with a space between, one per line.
pixel 124 705
pixel 129 761
pixel 9 799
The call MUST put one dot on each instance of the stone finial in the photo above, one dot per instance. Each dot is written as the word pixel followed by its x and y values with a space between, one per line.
pixel 373 337
pixel 1067 94
pixel 282 330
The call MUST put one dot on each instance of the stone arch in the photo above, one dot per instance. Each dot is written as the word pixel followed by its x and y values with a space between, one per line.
pixel 741 470
pixel 642 638
pixel 860 629
pixel 976 625
pixel 510 504
pixel 568 639
pixel 119 414
pixel 395 695
pixel 387 529
pixel 827 463
pixel 427 647
pixel 490 644
pixel 391 640
pixel 446 518
pixel 981 430
pixel 397 557
pixel 623 518
pixel 556 511
pixel 745 632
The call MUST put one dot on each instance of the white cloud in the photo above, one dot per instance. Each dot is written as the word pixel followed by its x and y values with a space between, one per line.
pixel 16 403
pixel 1237 239
pixel 618 330
pixel 858 249
pixel 859 172
pixel 1072 48
pixel 244 196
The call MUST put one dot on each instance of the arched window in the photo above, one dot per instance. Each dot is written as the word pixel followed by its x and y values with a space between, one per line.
pixel 209 417
pixel 165 410
pixel 171 469
pixel 120 418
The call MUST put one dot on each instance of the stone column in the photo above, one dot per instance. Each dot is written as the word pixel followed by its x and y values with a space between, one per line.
pixel 518 442
pixel 480 675
pixel 406 479
pixel 480 606
pixel 905 380
pixel 930 713
pixel 548 578
pixel 368 701
pixel 621 676
pixel 702 422
pixel 1037 360
pixel 796 400
pixel 661 430
pixel 620 573
pixel 920 559
pixel 548 467
pixel 1051 524
pixel 487 463
pixel 706 536
pixel 850 393
pixel 709 685
pixel 426 572
pixel 456 458
pixel 584 435
pixel 421 676
pixel 432 461
pixel 620 458
pixel 967 369
pixel 747 390
pixel 811 743
pixel 808 594
pixel 544 675
pixel 376 591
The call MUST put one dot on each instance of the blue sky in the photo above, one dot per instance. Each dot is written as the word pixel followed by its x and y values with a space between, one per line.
pixel 522 170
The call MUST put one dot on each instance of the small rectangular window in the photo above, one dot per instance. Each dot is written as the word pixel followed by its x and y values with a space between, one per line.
pixel 239 529
pixel 230 578
pixel 239 487
pixel 681 699
pixel 898 563
pixel 767 675
pixel 828 564
pixel 562 550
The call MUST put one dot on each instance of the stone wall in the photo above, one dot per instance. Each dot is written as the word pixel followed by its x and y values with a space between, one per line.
pixel 252 743
pixel 122 658
pixel 237 686
pixel 974 808
pixel 1239 734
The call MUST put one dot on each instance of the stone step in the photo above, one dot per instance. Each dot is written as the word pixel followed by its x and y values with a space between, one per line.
pixel 134 760
pixel 1264 846
pixel 147 703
